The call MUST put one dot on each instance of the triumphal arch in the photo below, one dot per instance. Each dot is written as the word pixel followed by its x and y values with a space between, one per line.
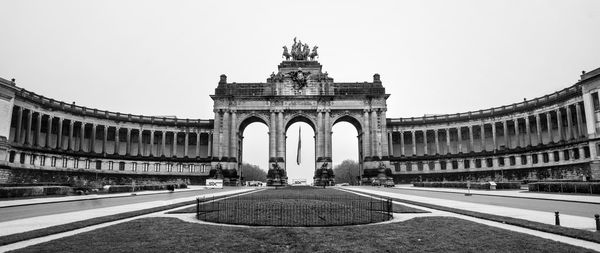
pixel 300 91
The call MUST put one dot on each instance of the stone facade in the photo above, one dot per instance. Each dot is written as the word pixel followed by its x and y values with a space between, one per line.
pixel 554 136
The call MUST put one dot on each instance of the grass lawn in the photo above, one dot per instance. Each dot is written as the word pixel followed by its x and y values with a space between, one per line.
pixel 431 234
pixel 297 206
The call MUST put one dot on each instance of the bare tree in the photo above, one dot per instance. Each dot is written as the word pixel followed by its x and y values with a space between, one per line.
pixel 346 172
pixel 253 173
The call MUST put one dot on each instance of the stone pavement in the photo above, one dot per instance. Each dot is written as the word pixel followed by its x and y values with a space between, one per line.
pixel 512 193
pixel 572 221
pixel 33 201
pixel 33 223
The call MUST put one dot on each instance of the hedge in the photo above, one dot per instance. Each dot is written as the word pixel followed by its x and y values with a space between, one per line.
pixel 152 187
pixel 474 185
pixel 566 187
pixel 27 191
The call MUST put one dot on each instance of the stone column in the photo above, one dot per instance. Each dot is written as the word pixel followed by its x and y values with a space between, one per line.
pixel 19 126
pixel 209 148
pixel 374 134
pixel 93 139
pixel 569 123
pixel 81 136
pixel 391 143
pixel 538 129
pixel 414 142
pixel 273 136
pixel 234 136
pixel 281 135
pixel 28 128
pixel 401 143
pixel 38 129
pixel 549 123
pixel 425 146
pixel 151 142
pixel 448 139
pixel 559 124
pixel 528 130
pixel 226 138
pixel 59 135
pixel 117 141
pixel 482 136
pixel 104 139
pixel 384 140
pixel 517 134
pixel 437 142
pixel 163 143
pixel 217 135
pixel 459 132
pixel 128 142
pixel 506 138
pixel 580 126
pixel 186 141
pixel 174 145
pixel 367 135
pixel 471 142
pixel 494 141
pixel 140 141
pixel 198 143
pixel 70 144
pixel 48 132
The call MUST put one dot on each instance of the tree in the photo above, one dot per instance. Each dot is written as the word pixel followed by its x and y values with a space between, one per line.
pixel 253 173
pixel 346 172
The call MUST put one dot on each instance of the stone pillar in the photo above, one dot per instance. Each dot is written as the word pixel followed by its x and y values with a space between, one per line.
pixel 414 142
pixel 198 143
pixel 38 130
pixel 580 127
pixel 226 138
pixel 104 139
pixel 19 126
pixel 375 138
pixel 448 139
pixel 217 135
pixel 559 124
pixel 128 142
pixel 494 141
pixel 233 151
pixel 482 137
pixel 538 129
pixel 459 132
pixel 273 136
pixel 471 142
pixel 59 135
pixel 163 143
pixel 437 142
pixel 367 134
pixel 151 142
pixel 174 145
pixel 384 140
pixel 517 134
pixel 48 132
pixel 140 141
pixel 81 136
pixel 401 143
pixel 117 141
pixel 70 143
pixel 506 138
pixel 391 143
pixel 93 139
pixel 569 123
pixel 528 130
pixel 209 148
pixel 425 146
pixel 28 128
pixel 549 123
pixel 281 136
pixel 186 142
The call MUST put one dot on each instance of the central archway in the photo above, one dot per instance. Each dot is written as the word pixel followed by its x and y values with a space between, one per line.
pixel 300 168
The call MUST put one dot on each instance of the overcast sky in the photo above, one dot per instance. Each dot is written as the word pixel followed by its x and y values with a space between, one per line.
pixel 165 57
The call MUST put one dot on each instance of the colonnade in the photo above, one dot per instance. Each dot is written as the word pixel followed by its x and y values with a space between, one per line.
pixel 557 125
pixel 53 132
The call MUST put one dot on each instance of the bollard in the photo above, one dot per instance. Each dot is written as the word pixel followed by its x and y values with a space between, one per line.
pixel 556 218
pixel 597 222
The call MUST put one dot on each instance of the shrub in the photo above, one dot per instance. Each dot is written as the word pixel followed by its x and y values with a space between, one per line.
pixel 28 191
pixel 566 187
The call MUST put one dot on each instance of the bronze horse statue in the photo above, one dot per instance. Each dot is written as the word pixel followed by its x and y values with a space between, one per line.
pixel 286 54
pixel 314 53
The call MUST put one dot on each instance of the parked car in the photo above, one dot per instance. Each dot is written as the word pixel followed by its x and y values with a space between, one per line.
pixel 389 183
pixel 375 182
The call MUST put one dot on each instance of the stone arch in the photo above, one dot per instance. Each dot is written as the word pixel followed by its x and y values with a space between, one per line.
pixel 252 118
pixel 347 117
pixel 300 117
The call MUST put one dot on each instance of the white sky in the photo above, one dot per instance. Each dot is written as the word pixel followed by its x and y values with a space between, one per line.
pixel 165 57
